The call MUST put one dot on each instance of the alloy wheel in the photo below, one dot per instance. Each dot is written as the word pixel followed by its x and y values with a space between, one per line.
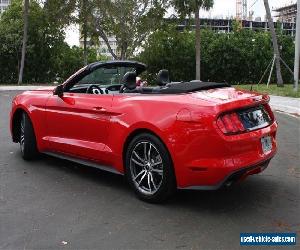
pixel 22 133
pixel 146 168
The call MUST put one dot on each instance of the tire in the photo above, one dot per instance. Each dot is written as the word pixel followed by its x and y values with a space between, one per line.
pixel 27 138
pixel 151 175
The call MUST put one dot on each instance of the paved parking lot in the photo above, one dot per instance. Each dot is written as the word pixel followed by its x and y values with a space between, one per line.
pixel 51 203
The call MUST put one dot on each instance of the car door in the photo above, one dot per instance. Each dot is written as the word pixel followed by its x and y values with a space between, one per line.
pixel 78 124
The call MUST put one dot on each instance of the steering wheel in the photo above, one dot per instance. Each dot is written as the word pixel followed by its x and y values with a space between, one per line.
pixel 94 89
pixel 122 89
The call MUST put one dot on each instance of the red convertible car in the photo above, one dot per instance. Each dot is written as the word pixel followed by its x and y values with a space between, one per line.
pixel 186 135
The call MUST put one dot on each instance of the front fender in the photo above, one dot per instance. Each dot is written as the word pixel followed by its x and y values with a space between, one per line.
pixel 34 104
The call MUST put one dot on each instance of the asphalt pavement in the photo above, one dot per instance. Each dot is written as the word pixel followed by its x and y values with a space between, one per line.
pixel 54 204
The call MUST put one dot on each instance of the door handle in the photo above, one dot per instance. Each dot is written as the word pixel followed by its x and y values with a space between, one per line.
pixel 99 109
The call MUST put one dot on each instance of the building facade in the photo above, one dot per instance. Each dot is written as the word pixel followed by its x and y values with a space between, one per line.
pixel 101 47
pixel 3 5
pixel 287 13
pixel 226 25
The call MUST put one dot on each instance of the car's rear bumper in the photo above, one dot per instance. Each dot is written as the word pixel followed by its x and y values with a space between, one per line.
pixel 234 176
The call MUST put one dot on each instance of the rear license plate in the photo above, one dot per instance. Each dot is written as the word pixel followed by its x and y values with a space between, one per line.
pixel 266 143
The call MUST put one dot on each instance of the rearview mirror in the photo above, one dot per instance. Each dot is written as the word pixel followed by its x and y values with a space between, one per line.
pixel 59 90
pixel 110 71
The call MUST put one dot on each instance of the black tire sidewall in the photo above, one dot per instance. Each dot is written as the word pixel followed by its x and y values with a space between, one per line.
pixel 168 184
pixel 30 148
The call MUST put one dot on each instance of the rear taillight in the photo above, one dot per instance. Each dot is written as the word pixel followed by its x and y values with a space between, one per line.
pixel 270 112
pixel 230 124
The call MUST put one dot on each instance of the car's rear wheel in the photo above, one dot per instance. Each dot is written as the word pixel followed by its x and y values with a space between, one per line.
pixel 27 138
pixel 149 168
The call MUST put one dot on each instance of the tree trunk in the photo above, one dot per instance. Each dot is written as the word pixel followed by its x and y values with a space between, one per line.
pixel 84 30
pixel 85 60
pixel 25 34
pixel 197 45
pixel 96 22
pixel 275 44
pixel 123 50
pixel 297 50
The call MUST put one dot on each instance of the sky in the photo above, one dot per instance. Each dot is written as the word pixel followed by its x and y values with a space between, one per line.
pixel 221 9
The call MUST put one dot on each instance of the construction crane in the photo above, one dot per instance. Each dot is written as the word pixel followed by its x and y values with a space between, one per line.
pixel 241 9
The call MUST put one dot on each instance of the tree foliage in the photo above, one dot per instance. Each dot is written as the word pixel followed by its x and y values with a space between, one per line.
pixel 188 7
pixel 238 57
pixel 48 56
pixel 129 21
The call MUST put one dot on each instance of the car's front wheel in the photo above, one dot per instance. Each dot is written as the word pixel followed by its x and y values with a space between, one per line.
pixel 149 168
pixel 27 138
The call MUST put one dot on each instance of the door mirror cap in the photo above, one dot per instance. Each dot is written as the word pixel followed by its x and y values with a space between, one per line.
pixel 59 90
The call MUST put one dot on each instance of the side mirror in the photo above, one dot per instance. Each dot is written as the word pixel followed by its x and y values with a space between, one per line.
pixel 59 90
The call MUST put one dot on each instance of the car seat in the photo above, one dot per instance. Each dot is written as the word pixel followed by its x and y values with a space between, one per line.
pixel 129 83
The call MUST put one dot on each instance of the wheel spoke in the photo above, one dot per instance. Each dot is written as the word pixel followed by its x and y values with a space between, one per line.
pixel 145 151
pixel 158 171
pixel 142 178
pixel 138 157
pixel 139 174
pixel 156 163
pixel 149 152
pixel 22 125
pixel 149 182
pixel 151 178
pixel 138 163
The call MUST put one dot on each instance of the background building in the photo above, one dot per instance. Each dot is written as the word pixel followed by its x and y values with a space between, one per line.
pixel 101 47
pixel 3 5
pixel 226 25
pixel 286 13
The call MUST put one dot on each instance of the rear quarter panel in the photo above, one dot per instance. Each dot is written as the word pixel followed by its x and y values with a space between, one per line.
pixel 157 114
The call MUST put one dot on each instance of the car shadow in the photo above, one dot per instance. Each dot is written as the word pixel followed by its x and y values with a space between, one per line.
pixel 244 196
pixel 87 173
pixel 255 191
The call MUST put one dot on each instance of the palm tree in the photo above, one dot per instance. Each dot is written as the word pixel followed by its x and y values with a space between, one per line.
pixel 187 8
pixel 24 44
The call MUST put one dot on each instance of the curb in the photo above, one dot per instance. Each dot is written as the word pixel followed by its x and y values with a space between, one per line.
pixel 287 105
pixel 24 88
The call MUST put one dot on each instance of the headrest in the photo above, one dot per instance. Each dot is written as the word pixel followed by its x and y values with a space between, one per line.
pixel 129 80
pixel 163 77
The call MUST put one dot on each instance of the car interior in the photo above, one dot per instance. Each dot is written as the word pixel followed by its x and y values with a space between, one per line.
pixel 123 79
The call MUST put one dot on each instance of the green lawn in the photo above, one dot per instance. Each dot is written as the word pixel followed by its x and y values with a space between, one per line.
pixel 287 90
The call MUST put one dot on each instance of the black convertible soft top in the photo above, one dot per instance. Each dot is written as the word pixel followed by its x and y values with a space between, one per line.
pixel 186 87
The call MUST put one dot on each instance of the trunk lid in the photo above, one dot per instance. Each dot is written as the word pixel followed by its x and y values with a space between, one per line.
pixel 229 95
pixel 228 99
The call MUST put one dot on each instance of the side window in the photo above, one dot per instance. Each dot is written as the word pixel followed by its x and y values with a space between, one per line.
pixel 102 77
pixel 95 77
pixel 105 76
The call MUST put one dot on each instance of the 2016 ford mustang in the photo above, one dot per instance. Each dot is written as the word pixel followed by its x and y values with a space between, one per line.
pixel 186 135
